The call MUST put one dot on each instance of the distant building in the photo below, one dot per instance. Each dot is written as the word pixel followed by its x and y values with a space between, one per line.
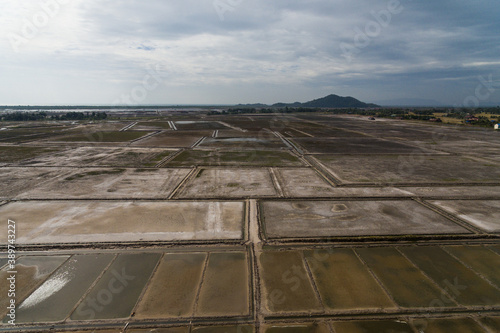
pixel 471 119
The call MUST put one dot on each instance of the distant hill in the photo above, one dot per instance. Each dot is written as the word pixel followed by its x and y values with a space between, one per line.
pixel 334 101
pixel 330 101
pixel 256 105
pixel 292 105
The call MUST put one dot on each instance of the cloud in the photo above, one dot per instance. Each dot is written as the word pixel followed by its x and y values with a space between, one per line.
pixel 431 50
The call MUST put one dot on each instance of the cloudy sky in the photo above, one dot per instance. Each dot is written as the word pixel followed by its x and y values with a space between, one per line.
pixel 247 51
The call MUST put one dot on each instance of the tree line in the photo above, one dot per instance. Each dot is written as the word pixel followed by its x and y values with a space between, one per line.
pixel 35 116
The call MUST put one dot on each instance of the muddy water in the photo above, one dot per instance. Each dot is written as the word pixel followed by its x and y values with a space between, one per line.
pixel 116 293
pixel 406 283
pixel 240 140
pixel 172 290
pixel 98 331
pixel 351 218
pixel 480 259
pixel 224 329
pixel 287 285
pixel 458 325
pixel 225 287
pixel 161 330
pixel 493 323
pixel 373 326
pixel 344 282
pixel 495 248
pixel 298 328
pixel 463 285
pixel 3 261
pixel 55 298
pixel 30 272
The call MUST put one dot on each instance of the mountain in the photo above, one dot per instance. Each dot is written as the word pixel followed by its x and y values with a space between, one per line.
pixel 334 101
pixel 330 101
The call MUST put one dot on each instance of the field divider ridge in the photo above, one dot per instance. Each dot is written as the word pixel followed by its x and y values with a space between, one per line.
pixel 144 137
pixel 186 179
pixel 450 216
pixel 169 158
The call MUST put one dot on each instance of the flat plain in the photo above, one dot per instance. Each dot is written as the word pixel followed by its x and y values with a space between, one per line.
pixel 285 222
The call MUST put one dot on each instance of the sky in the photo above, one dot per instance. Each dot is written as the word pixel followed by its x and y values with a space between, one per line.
pixel 131 52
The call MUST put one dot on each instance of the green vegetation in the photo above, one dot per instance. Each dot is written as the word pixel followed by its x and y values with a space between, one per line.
pixel 35 116
pixel 157 158
pixel 485 117
pixel 14 134
pixel 130 159
pixel 15 154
